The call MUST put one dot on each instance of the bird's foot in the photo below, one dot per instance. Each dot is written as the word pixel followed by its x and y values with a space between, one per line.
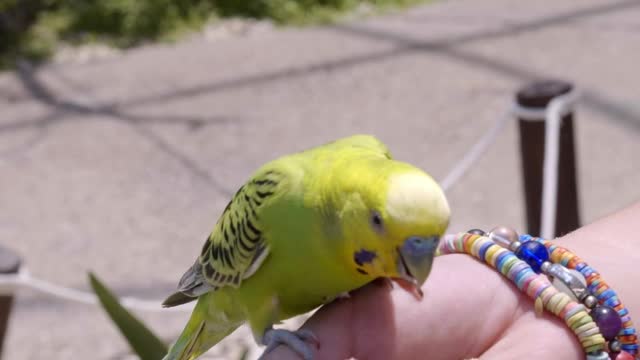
pixel 299 341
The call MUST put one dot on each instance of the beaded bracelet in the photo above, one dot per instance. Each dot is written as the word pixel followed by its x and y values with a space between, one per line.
pixel 612 313
pixel 525 261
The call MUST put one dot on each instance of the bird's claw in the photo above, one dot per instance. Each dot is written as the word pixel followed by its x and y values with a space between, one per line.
pixel 298 341
pixel 308 336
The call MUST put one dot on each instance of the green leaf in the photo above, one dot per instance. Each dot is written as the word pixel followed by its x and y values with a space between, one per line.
pixel 144 342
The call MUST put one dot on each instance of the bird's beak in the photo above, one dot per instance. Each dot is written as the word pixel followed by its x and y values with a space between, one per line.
pixel 415 257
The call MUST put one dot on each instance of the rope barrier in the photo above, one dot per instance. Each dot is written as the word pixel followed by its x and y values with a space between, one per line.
pixel 475 152
pixel 11 282
pixel 552 115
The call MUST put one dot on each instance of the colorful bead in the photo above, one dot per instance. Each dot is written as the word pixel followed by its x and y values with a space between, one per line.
pixel 623 355
pixel 504 236
pixel 627 331
pixel 608 321
pixel 596 286
pixel 533 253
pixel 536 286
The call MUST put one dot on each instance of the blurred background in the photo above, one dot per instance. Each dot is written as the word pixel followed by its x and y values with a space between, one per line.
pixel 126 125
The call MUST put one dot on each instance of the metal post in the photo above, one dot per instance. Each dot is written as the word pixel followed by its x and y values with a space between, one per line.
pixel 532 133
pixel 9 264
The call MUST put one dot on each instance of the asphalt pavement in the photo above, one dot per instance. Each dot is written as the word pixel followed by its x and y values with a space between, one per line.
pixel 121 165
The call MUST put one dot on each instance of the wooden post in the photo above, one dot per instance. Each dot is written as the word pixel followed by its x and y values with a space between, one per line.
pixel 9 264
pixel 532 133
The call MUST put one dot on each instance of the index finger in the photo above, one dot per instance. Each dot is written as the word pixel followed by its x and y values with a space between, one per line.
pixel 344 332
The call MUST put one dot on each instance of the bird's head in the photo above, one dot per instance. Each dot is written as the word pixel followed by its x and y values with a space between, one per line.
pixel 392 221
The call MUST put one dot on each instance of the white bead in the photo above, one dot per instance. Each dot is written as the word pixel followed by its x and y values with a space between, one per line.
pixel 503 236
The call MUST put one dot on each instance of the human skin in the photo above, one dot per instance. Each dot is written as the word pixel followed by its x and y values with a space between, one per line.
pixel 471 311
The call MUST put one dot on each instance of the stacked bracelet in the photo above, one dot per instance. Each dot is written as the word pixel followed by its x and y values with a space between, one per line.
pixel 578 295
pixel 616 326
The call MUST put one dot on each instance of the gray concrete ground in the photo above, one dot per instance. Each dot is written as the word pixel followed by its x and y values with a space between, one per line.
pixel 121 165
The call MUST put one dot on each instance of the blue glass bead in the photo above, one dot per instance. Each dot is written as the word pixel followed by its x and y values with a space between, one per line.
pixel 533 253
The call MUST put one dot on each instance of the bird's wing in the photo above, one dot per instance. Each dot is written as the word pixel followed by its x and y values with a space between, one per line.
pixel 236 247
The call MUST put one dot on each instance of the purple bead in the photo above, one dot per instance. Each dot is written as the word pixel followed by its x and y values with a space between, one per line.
pixel 608 321
pixel 533 253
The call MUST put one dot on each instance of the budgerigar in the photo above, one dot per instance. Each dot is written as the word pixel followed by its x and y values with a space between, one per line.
pixel 304 229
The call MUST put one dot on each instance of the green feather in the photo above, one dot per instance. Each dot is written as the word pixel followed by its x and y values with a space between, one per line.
pixel 286 242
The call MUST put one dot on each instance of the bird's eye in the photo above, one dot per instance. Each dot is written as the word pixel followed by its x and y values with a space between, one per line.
pixel 376 221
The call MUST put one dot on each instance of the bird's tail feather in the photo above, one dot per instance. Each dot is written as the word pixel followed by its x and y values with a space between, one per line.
pixel 200 334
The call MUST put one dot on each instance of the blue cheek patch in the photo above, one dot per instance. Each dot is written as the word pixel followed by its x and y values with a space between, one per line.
pixel 364 256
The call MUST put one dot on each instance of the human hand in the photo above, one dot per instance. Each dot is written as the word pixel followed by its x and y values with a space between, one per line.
pixel 469 310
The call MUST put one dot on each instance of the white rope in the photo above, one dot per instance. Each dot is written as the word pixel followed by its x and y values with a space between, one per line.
pixel 552 114
pixel 476 151
pixel 10 282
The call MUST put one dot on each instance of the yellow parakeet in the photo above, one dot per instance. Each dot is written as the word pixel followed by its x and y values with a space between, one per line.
pixel 304 229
